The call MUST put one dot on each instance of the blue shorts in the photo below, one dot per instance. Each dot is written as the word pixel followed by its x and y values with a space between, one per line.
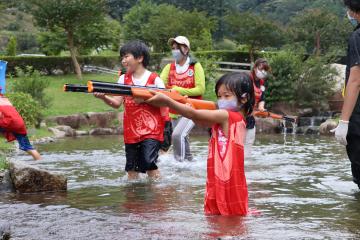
pixel 24 143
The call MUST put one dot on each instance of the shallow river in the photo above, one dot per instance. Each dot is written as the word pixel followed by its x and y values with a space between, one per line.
pixel 300 185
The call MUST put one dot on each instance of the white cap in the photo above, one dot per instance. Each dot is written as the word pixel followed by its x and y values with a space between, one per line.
pixel 180 40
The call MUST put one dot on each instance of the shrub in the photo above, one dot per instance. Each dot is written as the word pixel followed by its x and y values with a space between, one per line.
pixel 11 47
pixel 28 108
pixel 301 83
pixel 30 81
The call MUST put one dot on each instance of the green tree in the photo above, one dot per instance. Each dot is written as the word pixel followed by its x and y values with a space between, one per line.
pixel 11 46
pixel 319 31
pixel 254 31
pixel 71 16
pixel 155 24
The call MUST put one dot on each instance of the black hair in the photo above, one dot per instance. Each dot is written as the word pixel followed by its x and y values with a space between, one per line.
pixel 241 85
pixel 353 5
pixel 263 61
pixel 138 49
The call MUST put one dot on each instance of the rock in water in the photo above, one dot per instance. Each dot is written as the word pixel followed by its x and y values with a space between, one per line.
pixel 4 231
pixel 29 179
pixel 326 126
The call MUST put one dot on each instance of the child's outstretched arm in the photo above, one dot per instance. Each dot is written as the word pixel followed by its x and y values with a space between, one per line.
pixel 114 101
pixel 208 116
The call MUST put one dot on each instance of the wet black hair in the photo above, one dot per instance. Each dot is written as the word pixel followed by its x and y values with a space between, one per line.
pixel 240 84
pixel 138 49
pixel 353 5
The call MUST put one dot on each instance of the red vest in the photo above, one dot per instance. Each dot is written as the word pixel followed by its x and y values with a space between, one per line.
pixel 226 188
pixel 184 80
pixel 142 121
pixel 257 90
pixel 11 122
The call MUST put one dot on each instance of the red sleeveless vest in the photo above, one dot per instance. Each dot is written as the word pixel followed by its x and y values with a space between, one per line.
pixel 257 90
pixel 226 188
pixel 141 121
pixel 184 80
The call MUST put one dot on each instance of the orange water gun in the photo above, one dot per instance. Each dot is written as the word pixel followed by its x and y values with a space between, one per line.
pixel 266 114
pixel 138 92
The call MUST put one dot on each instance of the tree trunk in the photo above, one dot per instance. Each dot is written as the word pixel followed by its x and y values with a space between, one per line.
pixel 251 54
pixel 73 53
pixel 317 44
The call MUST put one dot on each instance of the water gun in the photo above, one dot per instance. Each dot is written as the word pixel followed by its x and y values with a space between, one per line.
pixel 144 93
pixel 138 92
pixel 266 114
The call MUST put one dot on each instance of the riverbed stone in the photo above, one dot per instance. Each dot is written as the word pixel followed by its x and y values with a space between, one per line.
pixel 81 133
pixel 74 121
pixel 57 133
pixel 5 182
pixel 102 131
pixel 29 179
pixel 5 230
pixel 69 131
pixel 268 125
pixel 102 120
pixel 326 126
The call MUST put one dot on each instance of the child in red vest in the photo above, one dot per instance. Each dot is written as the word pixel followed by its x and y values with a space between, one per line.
pixel 226 188
pixel 143 123
pixel 12 126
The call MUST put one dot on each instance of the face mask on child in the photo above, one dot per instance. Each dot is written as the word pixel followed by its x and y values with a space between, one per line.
pixel 260 74
pixel 231 105
pixel 177 55
pixel 352 20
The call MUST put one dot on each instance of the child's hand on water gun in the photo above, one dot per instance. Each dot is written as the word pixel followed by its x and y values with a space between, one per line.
pixel 159 99
pixel 99 95
pixel 138 100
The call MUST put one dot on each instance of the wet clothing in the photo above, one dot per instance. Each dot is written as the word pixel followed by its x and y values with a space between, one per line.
pixel 143 126
pixel 142 156
pixel 142 121
pixel 180 138
pixel 13 126
pixel 353 136
pixel 226 188
pixel 168 130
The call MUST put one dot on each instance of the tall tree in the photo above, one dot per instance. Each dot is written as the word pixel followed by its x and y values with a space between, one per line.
pixel 71 16
pixel 254 31
pixel 319 31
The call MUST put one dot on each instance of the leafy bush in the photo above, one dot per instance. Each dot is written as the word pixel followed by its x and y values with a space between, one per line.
pixel 30 81
pixel 301 83
pixel 28 108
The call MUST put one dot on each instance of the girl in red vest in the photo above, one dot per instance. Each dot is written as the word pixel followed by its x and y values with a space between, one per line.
pixel 143 123
pixel 258 75
pixel 12 126
pixel 226 188
pixel 186 76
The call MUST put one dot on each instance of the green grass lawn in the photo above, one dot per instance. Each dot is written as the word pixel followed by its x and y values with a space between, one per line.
pixel 3 163
pixel 66 103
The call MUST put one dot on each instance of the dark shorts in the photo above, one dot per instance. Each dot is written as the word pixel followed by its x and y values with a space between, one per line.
pixel 142 156
pixel 353 147
pixel 24 143
pixel 165 145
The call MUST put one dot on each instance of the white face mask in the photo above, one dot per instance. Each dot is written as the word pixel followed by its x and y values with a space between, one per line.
pixel 231 105
pixel 352 20
pixel 177 55
pixel 260 74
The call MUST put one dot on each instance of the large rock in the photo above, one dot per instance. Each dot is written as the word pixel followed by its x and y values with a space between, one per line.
pixel 102 131
pixel 4 230
pixel 268 125
pixel 74 121
pixel 5 182
pixel 57 133
pixel 29 179
pixel 103 120
pixel 326 126
pixel 69 131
